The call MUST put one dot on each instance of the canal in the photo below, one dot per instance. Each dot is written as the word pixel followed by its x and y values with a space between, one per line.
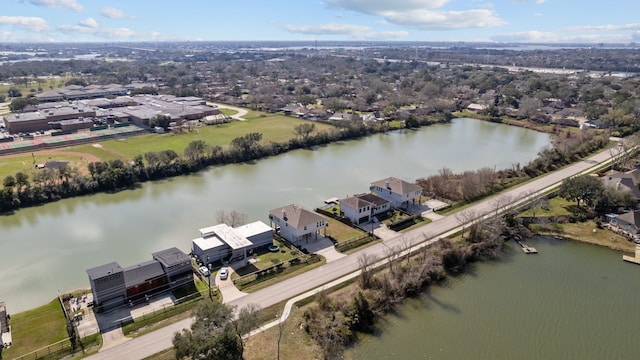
pixel 48 248
pixel 570 301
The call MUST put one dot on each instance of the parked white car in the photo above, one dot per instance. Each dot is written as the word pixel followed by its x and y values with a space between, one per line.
pixel 204 271
pixel 224 273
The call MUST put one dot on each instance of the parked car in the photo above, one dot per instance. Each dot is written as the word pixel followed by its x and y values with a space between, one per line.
pixel 224 273
pixel 204 271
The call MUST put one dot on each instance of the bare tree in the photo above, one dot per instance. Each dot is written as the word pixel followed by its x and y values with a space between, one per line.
pixel 233 218
pixel 465 217
pixel 391 253
pixel 366 261
pixel 501 201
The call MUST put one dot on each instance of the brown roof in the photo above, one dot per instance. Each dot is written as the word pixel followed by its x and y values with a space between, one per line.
pixel 374 199
pixel 295 215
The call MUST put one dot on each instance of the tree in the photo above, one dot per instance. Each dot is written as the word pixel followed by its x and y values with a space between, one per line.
pixel 304 130
pixel 581 188
pixel 20 103
pixel 196 150
pixel 9 181
pixel 211 336
pixel 232 218
pixel 245 321
pixel 160 120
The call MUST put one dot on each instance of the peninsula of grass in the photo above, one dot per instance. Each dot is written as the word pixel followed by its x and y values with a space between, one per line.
pixel 228 112
pixel 36 329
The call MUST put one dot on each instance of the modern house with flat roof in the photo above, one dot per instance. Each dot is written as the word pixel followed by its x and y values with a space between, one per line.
pixel 223 243
pixel 113 286
pixel 399 192
pixel 295 223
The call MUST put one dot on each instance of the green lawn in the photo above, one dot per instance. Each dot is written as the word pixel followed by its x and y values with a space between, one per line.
pixel 274 128
pixel 557 207
pixel 228 112
pixel 37 328
pixel 342 232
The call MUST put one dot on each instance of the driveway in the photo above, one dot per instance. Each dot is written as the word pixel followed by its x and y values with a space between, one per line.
pixel 237 116
pixel 227 288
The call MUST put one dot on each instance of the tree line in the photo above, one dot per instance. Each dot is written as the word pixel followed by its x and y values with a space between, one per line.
pixel 47 185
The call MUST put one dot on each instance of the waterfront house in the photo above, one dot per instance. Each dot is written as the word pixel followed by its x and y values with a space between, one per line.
pixel 112 286
pixel 224 243
pixel 628 223
pixel 627 181
pixel 398 192
pixel 295 223
pixel 361 209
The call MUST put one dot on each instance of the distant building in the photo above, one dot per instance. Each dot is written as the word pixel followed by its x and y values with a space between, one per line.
pixel 113 286
pixel 627 181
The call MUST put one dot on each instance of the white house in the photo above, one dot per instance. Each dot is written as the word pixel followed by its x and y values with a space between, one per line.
pixel 399 192
pixel 222 242
pixel 361 208
pixel 295 223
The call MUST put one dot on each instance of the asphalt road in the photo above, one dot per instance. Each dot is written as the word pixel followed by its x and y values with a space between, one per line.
pixel 159 340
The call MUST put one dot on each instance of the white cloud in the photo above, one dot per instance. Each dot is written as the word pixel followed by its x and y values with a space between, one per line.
pixel 69 4
pixel 422 14
pixel 107 33
pixel 353 31
pixel 561 37
pixel 34 24
pixel 377 6
pixel 444 20
pixel 89 22
pixel 606 27
pixel 113 13
pixel 327 29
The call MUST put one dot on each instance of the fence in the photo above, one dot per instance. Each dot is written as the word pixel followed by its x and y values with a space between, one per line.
pixel 354 243
pixel 276 269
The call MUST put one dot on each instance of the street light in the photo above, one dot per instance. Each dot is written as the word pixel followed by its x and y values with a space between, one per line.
pixel 209 277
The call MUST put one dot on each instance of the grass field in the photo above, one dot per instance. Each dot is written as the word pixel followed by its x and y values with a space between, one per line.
pixel 45 84
pixel 273 127
pixel 37 328
pixel 342 232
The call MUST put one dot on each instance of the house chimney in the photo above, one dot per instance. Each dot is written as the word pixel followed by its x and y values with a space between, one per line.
pixel 284 214
pixel 386 184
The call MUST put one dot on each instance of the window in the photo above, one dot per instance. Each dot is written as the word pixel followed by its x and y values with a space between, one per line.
pixel 305 228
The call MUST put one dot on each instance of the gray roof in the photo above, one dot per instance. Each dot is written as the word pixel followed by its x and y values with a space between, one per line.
pixel 171 257
pixel 623 181
pixel 142 272
pixel 398 186
pixel 296 216
pixel 355 202
pixel 103 270
pixel 372 198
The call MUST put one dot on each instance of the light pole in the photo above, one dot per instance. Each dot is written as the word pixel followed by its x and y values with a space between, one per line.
pixel 209 277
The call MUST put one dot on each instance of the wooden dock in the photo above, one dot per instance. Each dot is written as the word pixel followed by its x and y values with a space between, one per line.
pixel 632 259
pixel 526 248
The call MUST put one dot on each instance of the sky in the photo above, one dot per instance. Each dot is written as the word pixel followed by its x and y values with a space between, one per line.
pixel 529 21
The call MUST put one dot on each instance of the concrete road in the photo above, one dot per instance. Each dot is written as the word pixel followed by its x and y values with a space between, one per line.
pixel 159 340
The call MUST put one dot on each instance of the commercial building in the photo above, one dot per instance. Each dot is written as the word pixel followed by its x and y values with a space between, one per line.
pixel 113 286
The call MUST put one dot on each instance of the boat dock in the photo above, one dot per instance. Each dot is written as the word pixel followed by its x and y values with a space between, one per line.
pixel 526 248
pixel 632 259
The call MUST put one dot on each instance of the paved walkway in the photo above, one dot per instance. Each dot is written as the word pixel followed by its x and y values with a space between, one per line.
pixel 384 233
pixel 113 338
pixel 429 214
pixel 227 288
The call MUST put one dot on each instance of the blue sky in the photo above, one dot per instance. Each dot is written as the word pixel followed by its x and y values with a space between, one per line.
pixel 556 21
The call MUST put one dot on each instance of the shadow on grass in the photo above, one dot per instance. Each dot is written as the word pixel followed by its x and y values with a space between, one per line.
pixel 247 269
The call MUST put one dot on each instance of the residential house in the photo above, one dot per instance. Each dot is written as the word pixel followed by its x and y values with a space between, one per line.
pixel 112 286
pixel 629 222
pixel 627 181
pixel 222 242
pixel 5 329
pixel 295 223
pixel 361 209
pixel 399 192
